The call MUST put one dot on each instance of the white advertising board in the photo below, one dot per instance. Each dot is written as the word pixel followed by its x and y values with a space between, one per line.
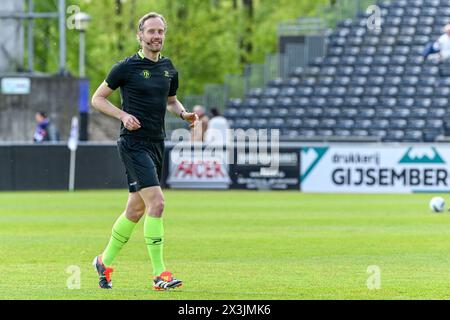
pixel 375 169
pixel 16 85
pixel 197 171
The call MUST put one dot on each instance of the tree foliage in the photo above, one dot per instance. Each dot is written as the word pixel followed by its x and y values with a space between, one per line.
pixel 206 39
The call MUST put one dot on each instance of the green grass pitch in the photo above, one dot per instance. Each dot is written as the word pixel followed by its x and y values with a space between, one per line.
pixel 230 245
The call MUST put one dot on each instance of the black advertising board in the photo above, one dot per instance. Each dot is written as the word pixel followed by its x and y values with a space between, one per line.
pixel 254 175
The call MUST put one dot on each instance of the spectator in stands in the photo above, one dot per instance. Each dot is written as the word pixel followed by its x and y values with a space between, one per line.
pixel 431 49
pixel 45 130
pixel 441 46
pixel 217 127
pixel 199 129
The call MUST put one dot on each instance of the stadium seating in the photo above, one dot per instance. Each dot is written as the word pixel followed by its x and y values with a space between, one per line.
pixel 371 84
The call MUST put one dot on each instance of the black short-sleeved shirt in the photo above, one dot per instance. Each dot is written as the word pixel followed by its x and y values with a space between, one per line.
pixel 144 88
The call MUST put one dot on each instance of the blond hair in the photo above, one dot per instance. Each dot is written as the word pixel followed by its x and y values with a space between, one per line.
pixel 150 16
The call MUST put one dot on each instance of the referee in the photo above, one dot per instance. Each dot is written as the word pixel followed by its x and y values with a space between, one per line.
pixel 148 85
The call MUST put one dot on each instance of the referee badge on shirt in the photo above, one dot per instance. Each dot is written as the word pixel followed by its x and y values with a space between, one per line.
pixel 146 74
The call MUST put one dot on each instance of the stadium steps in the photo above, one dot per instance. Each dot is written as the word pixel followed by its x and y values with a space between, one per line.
pixel 370 84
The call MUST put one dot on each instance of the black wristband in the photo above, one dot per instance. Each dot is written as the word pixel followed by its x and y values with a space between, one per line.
pixel 181 114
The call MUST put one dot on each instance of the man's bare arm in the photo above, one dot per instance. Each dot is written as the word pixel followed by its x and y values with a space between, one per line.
pixel 101 103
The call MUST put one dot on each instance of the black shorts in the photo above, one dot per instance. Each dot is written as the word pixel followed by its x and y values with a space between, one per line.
pixel 143 161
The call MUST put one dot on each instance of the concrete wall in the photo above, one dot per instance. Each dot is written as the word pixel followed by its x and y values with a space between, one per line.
pixel 56 95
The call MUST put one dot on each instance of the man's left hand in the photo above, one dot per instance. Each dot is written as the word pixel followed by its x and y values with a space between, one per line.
pixel 190 117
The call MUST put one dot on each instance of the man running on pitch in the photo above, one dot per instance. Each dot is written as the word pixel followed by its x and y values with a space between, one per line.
pixel 148 85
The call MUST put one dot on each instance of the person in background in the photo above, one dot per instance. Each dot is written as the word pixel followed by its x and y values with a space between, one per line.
pixel 198 132
pixel 217 127
pixel 45 130
pixel 441 46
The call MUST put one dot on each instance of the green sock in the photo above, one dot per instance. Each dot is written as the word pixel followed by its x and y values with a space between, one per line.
pixel 121 233
pixel 154 238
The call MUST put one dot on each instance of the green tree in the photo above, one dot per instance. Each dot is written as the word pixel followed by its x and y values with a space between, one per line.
pixel 206 39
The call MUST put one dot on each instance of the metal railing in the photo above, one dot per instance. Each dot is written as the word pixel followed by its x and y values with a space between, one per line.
pixel 25 19
pixel 302 26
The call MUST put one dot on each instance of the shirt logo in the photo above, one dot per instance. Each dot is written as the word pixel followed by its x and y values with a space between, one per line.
pixel 166 74
pixel 156 240
pixel 146 74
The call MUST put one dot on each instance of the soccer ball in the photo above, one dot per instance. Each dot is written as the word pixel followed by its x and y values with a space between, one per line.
pixel 437 204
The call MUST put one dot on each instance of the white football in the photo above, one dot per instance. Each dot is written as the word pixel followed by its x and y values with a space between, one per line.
pixel 437 204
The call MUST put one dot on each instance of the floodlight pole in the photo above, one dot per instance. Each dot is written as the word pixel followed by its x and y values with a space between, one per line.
pixel 82 54
pixel 62 36
pixel 30 37
pixel 82 20
pixel 81 24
